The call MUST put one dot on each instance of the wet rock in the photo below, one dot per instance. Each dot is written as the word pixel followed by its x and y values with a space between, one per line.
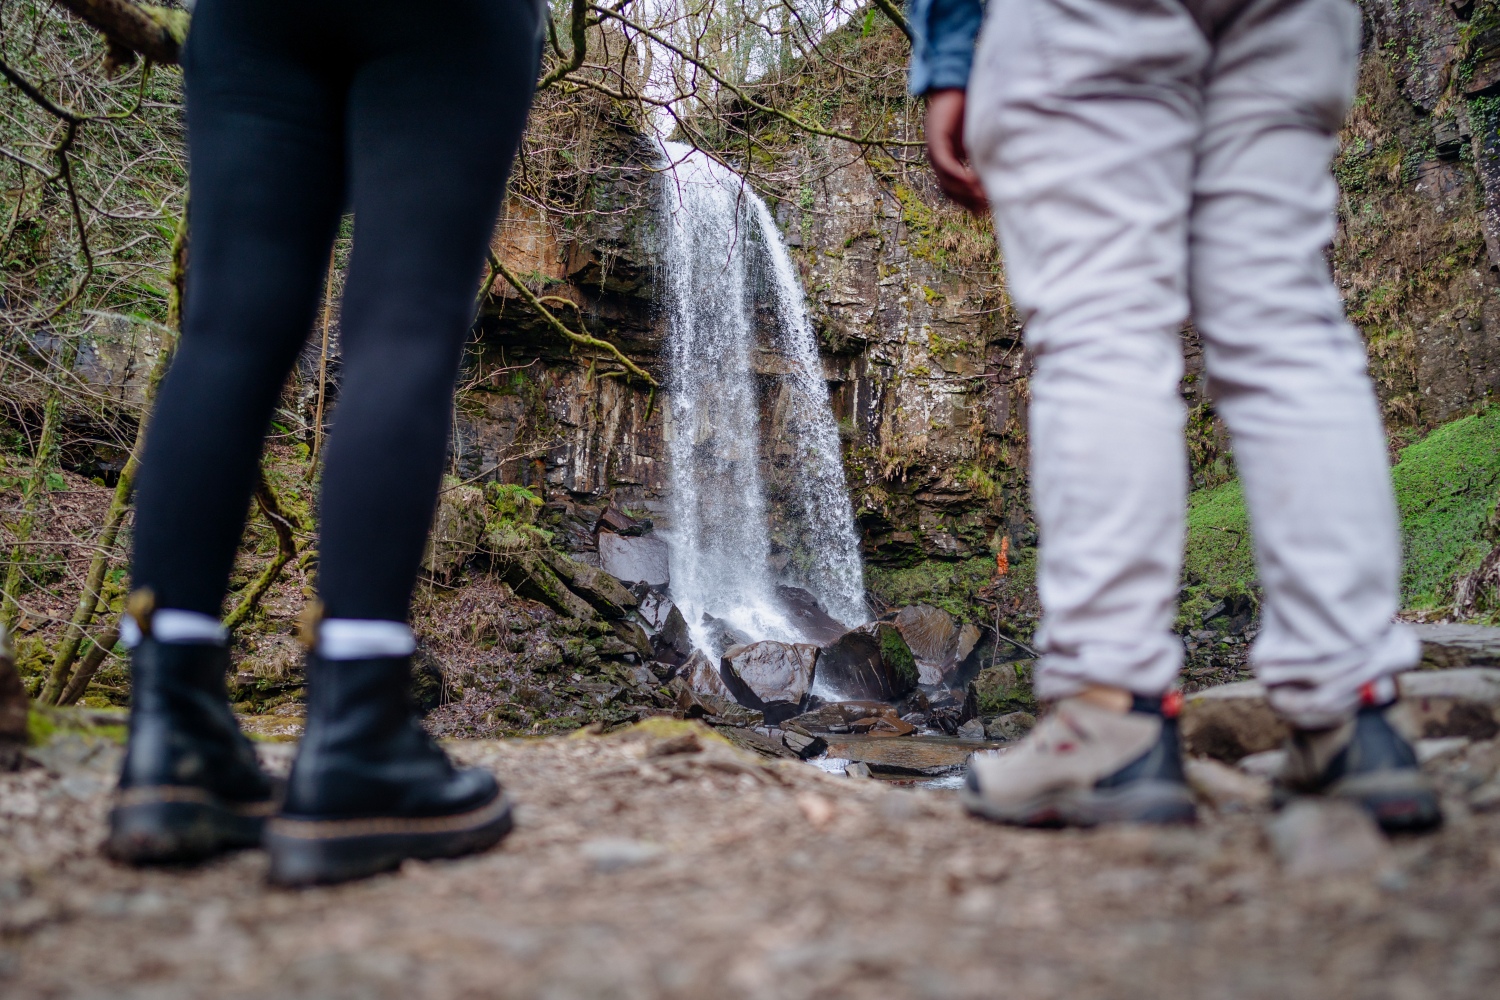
pixel 882 725
pixel 572 524
pixel 773 677
pixel 870 662
pixel 621 523
pixel 815 624
pixel 905 757
pixel 1314 837
pixel 722 635
pixel 673 643
pixel 858 769
pixel 804 744
pixel 457 528
pixel 841 716
pixel 952 709
pixel 599 588
pixel 638 560
pixel 653 607
pixel 933 634
pixel 971 730
pixel 704 677
pixel 1010 726
pixel 1223 787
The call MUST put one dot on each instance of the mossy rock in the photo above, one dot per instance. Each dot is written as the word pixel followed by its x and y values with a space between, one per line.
pixel 1006 688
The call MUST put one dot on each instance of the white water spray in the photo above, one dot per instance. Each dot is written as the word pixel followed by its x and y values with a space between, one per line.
pixel 720 530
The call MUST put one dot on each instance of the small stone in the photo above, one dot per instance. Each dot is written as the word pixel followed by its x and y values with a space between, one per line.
pixel 818 809
pixel 1326 837
pixel 858 769
pixel 612 854
pixel 1224 787
pixel 1266 764
pixel 1011 726
pixel 971 730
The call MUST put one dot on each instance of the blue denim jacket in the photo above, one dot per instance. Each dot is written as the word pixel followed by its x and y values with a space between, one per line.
pixel 942 47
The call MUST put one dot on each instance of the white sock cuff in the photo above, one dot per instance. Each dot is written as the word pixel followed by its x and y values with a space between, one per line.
pixel 362 639
pixel 172 625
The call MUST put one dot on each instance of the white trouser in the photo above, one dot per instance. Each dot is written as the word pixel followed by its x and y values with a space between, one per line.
pixel 1148 159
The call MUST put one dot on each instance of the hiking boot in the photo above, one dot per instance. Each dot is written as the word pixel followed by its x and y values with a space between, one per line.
pixel 190 786
pixel 1364 761
pixel 370 788
pixel 1083 765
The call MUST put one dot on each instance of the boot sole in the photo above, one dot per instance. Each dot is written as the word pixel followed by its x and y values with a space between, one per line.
pixel 1400 801
pixel 177 825
pixel 323 852
pixel 1156 802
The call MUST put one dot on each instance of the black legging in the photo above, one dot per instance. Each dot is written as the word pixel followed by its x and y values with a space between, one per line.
pixel 409 114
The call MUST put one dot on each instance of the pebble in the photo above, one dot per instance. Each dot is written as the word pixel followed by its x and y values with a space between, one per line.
pixel 612 854
pixel 971 730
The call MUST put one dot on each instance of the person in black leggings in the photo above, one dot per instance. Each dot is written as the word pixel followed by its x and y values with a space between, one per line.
pixel 297 110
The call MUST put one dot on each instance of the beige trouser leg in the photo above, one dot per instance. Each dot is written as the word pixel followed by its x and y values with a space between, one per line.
pixel 1147 159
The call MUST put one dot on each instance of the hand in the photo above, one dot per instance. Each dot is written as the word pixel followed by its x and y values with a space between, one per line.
pixel 946 153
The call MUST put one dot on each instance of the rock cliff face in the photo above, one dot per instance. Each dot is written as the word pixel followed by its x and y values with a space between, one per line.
pixel 920 347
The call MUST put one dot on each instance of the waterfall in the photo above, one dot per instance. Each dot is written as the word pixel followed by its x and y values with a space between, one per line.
pixel 716 228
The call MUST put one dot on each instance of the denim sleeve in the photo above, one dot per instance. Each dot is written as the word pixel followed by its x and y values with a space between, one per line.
pixel 942 47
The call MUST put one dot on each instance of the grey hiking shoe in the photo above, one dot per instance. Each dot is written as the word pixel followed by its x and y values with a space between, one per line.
pixel 1083 765
pixel 1364 761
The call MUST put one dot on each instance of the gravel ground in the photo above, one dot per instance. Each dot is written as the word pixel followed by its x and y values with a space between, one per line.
pixel 663 863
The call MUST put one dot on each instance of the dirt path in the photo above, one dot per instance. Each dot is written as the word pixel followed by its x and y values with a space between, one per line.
pixel 640 872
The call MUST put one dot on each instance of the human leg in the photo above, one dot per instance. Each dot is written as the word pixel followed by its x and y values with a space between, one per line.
pixel 1083 118
pixel 1288 376
pixel 435 114
pixel 264 149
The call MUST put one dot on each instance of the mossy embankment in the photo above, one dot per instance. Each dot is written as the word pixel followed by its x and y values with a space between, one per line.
pixel 1447 485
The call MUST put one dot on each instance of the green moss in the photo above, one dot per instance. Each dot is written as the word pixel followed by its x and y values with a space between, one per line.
pixel 1446 489
pixel 942 584
pixel 897 654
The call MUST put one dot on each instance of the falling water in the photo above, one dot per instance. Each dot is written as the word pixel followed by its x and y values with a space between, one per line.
pixel 720 532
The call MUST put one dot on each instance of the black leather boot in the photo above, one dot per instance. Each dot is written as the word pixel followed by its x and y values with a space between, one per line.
pixel 190 787
pixel 370 788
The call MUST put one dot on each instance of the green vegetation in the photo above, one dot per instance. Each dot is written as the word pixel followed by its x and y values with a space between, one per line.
pixel 1446 487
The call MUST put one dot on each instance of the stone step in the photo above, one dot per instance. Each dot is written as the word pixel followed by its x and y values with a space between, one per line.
pixel 1234 720
pixel 1448 646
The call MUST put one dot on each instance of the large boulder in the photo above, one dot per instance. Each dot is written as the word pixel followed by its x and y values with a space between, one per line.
pixel 816 625
pixel 774 677
pixel 722 635
pixel 457 528
pixel 702 675
pixel 673 643
pixel 870 662
pixel 531 577
pixel 603 592
pixel 932 634
pixel 640 559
